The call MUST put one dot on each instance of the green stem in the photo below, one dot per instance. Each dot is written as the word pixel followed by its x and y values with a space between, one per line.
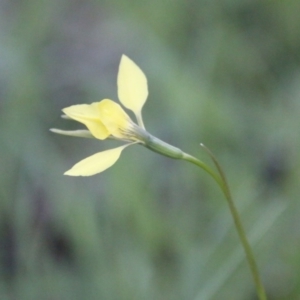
pixel 163 148
pixel 222 182
pixel 206 168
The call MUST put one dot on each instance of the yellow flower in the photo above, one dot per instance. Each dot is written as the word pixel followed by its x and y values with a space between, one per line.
pixel 107 119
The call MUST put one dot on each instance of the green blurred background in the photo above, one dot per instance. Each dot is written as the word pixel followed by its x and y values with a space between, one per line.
pixel 224 73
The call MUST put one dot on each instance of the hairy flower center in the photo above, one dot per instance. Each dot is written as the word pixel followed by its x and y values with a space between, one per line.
pixel 115 119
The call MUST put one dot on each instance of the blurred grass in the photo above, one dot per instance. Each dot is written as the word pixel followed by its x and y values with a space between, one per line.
pixel 225 74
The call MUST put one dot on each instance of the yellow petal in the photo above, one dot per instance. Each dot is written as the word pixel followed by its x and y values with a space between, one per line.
pixel 88 115
pixel 132 85
pixel 96 163
pixel 114 118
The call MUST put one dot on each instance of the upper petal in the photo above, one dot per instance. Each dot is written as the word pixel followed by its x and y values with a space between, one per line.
pixel 88 114
pixel 96 163
pixel 132 85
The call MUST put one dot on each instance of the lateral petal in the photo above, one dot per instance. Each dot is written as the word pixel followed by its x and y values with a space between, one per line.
pixel 75 133
pixel 88 115
pixel 132 85
pixel 96 163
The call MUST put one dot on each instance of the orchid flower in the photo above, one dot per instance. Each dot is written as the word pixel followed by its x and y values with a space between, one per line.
pixel 107 119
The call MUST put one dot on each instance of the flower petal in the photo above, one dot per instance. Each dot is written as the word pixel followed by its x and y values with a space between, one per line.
pixel 66 117
pixel 88 115
pixel 114 118
pixel 96 163
pixel 132 85
pixel 76 133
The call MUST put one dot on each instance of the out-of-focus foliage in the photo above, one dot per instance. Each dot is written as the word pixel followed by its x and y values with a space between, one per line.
pixel 225 73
